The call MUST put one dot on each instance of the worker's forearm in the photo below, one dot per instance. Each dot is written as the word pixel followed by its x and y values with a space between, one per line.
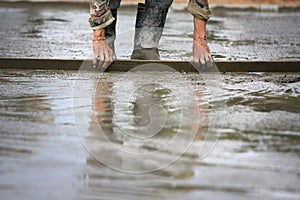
pixel 99 34
pixel 199 29
pixel 201 51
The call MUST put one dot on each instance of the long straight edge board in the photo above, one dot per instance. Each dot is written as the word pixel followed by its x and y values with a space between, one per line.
pixel 126 65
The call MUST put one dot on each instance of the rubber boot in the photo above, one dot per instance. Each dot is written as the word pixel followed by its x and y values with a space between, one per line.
pixel 110 31
pixel 150 21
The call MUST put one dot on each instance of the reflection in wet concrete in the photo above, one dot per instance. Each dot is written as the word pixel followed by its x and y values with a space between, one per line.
pixel 257 155
pixel 149 130
pixel 50 30
pixel 105 123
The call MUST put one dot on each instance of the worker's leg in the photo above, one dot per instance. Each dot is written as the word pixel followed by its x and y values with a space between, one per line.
pixel 110 31
pixel 150 20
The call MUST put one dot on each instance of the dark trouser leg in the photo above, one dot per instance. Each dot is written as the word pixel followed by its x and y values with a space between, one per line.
pixel 110 31
pixel 150 21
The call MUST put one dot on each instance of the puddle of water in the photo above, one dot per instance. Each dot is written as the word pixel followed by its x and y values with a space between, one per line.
pixel 257 155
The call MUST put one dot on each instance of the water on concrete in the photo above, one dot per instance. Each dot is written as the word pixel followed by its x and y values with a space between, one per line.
pixel 56 127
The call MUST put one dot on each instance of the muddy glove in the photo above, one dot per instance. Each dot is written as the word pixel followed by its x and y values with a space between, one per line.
pixel 103 54
pixel 201 51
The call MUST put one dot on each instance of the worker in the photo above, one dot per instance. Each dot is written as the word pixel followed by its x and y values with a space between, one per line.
pixel 150 21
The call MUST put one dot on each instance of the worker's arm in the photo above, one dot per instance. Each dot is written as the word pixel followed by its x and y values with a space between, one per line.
pixel 201 51
pixel 200 10
pixel 100 17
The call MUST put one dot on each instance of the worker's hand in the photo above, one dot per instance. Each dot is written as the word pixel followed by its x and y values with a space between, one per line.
pixel 103 54
pixel 201 54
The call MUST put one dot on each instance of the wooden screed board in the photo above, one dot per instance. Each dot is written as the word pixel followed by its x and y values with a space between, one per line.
pixel 126 65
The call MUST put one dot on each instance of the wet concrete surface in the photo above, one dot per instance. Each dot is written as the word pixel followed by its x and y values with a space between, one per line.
pixel 83 135
pixel 61 30
pixel 55 126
